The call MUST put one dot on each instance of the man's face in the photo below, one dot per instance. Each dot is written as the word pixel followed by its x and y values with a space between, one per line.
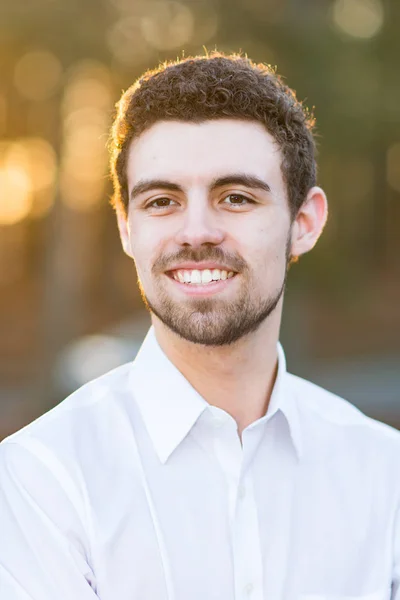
pixel 208 226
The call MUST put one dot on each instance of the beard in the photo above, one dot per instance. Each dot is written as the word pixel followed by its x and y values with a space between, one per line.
pixel 214 321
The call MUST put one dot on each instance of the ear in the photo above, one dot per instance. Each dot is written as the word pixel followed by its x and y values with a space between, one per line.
pixel 309 222
pixel 123 226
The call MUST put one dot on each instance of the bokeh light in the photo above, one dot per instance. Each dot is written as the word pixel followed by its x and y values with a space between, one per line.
pixel 126 41
pixel 37 74
pixel 86 115
pixel 88 86
pixel 90 357
pixel 38 159
pixel 15 195
pixel 358 18
pixel 28 172
pixel 167 24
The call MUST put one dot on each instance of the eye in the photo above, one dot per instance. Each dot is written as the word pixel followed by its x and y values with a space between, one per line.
pixel 160 203
pixel 237 200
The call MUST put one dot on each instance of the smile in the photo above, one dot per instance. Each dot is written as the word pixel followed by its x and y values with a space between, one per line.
pixel 200 277
pixel 201 282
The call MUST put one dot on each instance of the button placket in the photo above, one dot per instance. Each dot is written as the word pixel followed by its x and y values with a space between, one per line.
pixel 229 455
pixel 248 589
pixel 234 460
pixel 246 544
pixel 241 492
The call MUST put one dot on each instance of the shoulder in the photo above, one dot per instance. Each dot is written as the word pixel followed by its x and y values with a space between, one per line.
pixel 75 449
pixel 79 415
pixel 338 423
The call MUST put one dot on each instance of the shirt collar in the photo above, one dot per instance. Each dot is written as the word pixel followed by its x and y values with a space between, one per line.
pixel 170 406
pixel 284 400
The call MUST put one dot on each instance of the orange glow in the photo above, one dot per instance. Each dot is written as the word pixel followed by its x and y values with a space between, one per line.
pixel 86 112
pixel 15 195
pixel 36 159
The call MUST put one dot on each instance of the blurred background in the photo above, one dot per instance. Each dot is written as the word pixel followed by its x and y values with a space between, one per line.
pixel 69 305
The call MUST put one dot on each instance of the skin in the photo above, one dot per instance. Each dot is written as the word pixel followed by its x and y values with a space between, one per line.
pixel 223 342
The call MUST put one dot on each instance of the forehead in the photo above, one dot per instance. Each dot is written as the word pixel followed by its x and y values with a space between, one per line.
pixel 198 152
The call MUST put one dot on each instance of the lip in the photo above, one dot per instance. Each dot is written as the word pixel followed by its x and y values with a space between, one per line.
pixel 200 266
pixel 207 289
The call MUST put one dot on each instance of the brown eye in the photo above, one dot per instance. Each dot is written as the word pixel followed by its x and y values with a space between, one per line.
pixel 160 203
pixel 237 200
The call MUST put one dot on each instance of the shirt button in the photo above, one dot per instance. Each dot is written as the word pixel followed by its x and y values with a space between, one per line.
pixel 248 590
pixel 241 492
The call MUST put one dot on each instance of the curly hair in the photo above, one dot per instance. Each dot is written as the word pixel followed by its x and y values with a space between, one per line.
pixel 217 86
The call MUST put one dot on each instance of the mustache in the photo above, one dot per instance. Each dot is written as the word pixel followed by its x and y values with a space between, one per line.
pixel 231 259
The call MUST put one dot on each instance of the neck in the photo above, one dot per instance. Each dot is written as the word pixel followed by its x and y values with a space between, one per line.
pixel 238 378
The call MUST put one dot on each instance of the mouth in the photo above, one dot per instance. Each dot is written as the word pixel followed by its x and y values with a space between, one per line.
pixel 201 281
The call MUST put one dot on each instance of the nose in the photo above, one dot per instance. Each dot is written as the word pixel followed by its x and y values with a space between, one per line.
pixel 200 225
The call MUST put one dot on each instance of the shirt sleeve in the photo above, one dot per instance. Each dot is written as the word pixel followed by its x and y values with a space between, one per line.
pixel 396 568
pixel 43 546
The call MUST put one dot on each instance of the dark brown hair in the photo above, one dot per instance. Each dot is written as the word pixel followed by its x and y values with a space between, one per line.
pixel 214 87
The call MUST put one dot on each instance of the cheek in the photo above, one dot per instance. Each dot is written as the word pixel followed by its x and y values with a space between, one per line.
pixel 268 253
pixel 146 249
pixel 149 237
pixel 141 256
pixel 141 245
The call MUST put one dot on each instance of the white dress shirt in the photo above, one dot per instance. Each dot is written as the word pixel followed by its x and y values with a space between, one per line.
pixel 135 488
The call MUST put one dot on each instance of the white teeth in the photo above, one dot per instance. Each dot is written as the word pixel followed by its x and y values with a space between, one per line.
pixel 206 276
pixel 196 276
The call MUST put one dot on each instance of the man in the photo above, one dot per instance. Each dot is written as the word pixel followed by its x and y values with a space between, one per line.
pixel 203 470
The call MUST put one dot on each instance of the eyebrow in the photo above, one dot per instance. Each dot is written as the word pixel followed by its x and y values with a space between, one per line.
pixel 153 184
pixel 249 181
